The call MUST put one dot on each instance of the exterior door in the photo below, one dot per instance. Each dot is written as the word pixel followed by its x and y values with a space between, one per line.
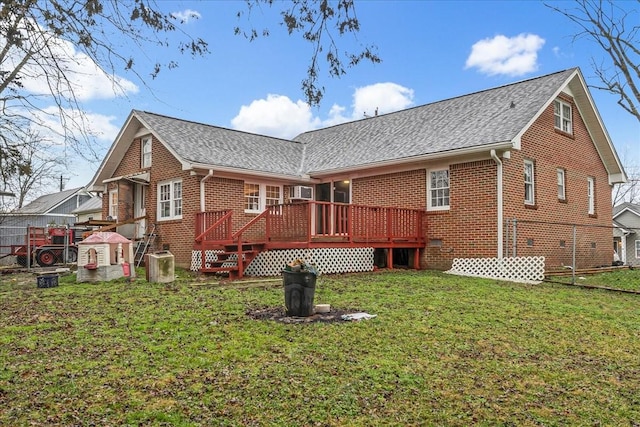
pixel 331 218
pixel 139 209
pixel 340 211
pixel 322 214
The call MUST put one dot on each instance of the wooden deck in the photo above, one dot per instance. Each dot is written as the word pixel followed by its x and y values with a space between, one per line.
pixel 309 225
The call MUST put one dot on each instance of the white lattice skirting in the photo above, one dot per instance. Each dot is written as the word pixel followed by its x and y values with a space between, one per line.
pixel 517 269
pixel 328 260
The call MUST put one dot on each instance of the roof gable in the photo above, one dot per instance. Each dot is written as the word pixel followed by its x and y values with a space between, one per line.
pixel 622 208
pixel 197 145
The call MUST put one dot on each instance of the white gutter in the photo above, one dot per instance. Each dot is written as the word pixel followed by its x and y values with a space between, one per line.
pixel 206 177
pixel 500 213
pixel 237 171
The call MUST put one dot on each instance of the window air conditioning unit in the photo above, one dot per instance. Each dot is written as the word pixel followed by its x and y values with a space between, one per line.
pixel 301 192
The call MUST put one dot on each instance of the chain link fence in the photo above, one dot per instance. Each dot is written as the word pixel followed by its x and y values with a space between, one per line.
pixel 565 246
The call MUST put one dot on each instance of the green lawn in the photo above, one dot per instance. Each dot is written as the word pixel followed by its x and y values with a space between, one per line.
pixel 443 350
pixel 624 279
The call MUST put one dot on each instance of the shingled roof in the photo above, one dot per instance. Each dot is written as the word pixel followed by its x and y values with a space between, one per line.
pixel 478 119
pixel 45 204
pixel 213 145
pixel 493 118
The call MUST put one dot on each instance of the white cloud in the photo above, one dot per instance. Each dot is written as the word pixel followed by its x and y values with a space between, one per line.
pixel 281 117
pixel 59 68
pixel 187 15
pixel 383 97
pixel 275 116
pixel 98 126
pixel 513 56
pixel 85 78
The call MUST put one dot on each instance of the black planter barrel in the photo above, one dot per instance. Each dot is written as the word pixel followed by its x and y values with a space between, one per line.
pixel 299 290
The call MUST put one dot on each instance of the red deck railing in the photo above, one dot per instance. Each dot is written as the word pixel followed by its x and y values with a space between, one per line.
pixel 314 221
pixel 311 224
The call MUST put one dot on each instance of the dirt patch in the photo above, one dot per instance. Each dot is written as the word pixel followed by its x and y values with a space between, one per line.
pixel 278 314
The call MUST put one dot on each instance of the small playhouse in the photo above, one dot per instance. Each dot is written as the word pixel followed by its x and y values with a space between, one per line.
pixel 105 256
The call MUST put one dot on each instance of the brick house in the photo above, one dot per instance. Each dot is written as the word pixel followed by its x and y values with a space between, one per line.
pixel 417 187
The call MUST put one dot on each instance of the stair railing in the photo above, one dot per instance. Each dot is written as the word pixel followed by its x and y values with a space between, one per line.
pixel 237 238
pixel 224 220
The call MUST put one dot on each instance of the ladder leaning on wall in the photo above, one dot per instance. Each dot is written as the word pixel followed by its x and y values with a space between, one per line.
pixel 143 246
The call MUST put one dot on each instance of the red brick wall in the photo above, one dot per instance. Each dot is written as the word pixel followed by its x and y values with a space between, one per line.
pixel 468 229
pixel 401 189
pixel 174 235
pixel 458 232
pixel 550 149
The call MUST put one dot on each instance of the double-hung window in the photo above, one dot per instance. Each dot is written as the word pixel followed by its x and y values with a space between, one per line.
pixel 529 183
pixel 591 195
pixel 561 185
pixel 637 249
pixel 146 152
pixel 170 200
pixel 438 190
pixel 113 204
pixel 257 197
pixel 562 114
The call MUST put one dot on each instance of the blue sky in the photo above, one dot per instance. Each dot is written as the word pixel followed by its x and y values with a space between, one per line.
pixel 430 50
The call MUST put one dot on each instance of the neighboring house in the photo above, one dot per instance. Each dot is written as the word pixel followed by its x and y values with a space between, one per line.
pixel 419 187
pixel 626 234
pixel 50 209
pixel 91 210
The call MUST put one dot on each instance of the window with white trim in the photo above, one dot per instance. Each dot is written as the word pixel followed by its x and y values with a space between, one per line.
pixel 145 145
pixel 113 204
pixel 562 114
pixel 561 185
pixel 637 249
pixel 529 183
pixel 591 195
pixel 170 200
pixel 258 196
pixel 438 190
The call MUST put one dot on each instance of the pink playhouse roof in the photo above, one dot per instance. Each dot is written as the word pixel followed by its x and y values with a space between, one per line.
pixel 106 237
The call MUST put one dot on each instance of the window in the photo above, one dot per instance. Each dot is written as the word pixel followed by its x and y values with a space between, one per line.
pixel 258 196
pixel 170 200
pixel 272 195
pixel 591 195
pixel 561 187
pixel 146 152
pixel 562 113
pixel 438 190
pixel 113 204
pixel 638 249
pixel 529 184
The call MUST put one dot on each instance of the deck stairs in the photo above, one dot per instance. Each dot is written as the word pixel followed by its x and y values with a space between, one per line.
pixel 233 258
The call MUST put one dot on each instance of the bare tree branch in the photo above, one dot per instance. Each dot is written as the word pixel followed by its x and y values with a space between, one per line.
pixel 319 22
pixel 606 23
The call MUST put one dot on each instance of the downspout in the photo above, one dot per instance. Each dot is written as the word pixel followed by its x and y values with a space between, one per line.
pixel 206 177
pixel 499 189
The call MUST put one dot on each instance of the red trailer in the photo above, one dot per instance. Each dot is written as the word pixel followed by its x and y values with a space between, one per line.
pixel 48 246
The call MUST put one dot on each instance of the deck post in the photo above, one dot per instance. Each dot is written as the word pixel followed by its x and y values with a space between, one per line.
pixel 390 258
pixel 240 260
